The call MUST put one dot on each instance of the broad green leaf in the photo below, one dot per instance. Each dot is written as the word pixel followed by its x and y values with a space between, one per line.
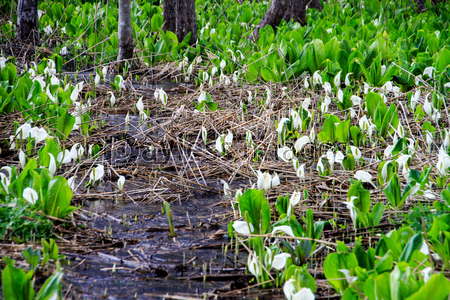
pixel 51 286
pixel 65 125
pixel 443 60
pixel 362 203
pixel 258 209
pixel 20 183
pixel 437 288
pixel 58 198
pixel 415 243
pixel 335 262
pixel 12 283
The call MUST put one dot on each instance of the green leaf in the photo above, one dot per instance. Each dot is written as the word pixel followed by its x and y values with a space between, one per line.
pixel 362 203
pixel 437 288
pixel 335 262
pixel 392 192
pixel 51 286
pixel 376 214
pixel 20 183
pixel 256 206
pixel 443 60
pixel 65 125
pixel 58 198
pixel 415 243
pixel 267 74
pixel 156 22
pixel 12 283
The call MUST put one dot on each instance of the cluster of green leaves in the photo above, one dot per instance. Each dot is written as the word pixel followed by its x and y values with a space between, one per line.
pixel 256 211
pixel 387 272
pixel 54 194
pixel 47 104
pixel 18 284
pixel 397 268
pixel 23 224
pixel 356 37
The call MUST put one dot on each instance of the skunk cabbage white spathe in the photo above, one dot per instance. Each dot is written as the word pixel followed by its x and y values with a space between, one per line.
pixel 30 195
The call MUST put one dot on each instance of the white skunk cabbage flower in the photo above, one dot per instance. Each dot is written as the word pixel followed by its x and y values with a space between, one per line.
pixel 337 80
pixel 22 159
pixel 340 96
pixel 429 71
pixel 162 96
pixel 30 195
pixel 355 152
pixel 443 162
pixel 364 177
pixel 52 165
pixel 64 157
pixel 266 182
pixel 290 292
pixel 76 151
pixel 301 172
pixel 351 207
pixel 121 182
pixel 253 265
pixel 104 72
pixel 223 142
pixel 121 85
pixel 40 134
pixel 279 260
pixel 97 79
pixel 97 173
pixel 112 100
pixel 285 153
pixel 301 142
pixel 243 227
pixel 140 105
pixel 142 116
pixel 317 79
pixel 293 201
pixel 355 100
pixel 327 88
pixel 71 182
pixel 24 131
pixel 415 99
pixel 226 189
pixel 283 228
pixel 204 135
pixel 347 79
pixel 296 119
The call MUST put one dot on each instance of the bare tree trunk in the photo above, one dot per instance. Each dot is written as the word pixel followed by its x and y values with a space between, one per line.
pixel 296 10
pixel 421 5
pixel 27 21
pixel 170 16
pixel 273 16
pixel 186 20
pixel 285 10
pixel 180 18
pixel 126 45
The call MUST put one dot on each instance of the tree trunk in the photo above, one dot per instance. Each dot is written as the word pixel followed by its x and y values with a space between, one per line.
pixel 27 21
pixel 296 10
pixel 180 18
pixel 314 4
pixel 273 16
pixel 186 20
pixel 285 10
pixel 421 5
pixel 126 45
pixel 170 17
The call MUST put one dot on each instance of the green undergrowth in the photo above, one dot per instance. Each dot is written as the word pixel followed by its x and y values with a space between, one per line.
pixel 361 38
pixel 23 224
